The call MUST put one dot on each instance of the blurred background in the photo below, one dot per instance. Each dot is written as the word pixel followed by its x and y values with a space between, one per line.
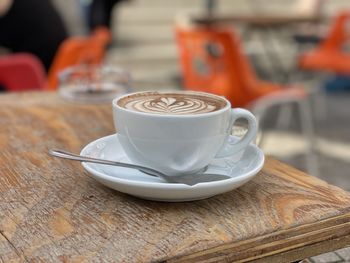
pixel 295 50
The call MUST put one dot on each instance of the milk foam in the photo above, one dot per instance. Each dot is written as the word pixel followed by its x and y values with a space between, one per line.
pixel 172 103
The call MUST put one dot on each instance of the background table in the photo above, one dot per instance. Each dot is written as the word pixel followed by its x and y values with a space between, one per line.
pixel 51 210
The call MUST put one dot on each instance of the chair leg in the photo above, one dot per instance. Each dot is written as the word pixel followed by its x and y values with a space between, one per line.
pixel 308 132
pixel 321 105
pixel 284 116
pixel 318 93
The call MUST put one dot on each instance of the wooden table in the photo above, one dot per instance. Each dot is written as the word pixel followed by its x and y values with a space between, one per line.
pixel 51 210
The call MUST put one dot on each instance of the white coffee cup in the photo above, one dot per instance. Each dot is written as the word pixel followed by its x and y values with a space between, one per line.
pixel 178 144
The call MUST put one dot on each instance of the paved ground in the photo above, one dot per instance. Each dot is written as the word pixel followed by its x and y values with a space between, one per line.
pixel 144 44
pixel 339 256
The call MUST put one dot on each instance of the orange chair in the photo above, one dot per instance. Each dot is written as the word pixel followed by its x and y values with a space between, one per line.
pixel 21 72
pixel 212 61
pixel 79 50
pixel 329 56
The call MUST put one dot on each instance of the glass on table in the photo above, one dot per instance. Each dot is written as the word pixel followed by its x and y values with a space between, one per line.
pixel 93 84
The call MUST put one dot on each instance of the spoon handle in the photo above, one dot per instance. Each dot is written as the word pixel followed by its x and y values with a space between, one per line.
pixel 183 179
pixel 76 157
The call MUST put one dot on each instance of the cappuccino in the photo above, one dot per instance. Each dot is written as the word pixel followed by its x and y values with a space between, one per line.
pixel 172 103
pixel 178 132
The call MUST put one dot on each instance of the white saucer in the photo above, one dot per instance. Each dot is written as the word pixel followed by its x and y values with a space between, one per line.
pixel 242 167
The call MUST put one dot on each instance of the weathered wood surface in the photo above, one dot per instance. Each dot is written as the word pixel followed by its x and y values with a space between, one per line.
pixel 52 211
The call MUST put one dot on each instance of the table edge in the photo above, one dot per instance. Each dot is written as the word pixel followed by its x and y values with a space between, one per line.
pixel 285 241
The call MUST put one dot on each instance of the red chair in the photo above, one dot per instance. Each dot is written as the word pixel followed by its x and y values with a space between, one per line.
pixel 21 72
pixel 329 56
pixel 212 61
pixel 79 50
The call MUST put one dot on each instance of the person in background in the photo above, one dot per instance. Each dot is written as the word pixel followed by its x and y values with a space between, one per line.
pixel 98 12
pixel 32 26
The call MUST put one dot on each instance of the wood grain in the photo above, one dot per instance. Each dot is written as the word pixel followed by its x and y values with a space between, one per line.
pixel 53 211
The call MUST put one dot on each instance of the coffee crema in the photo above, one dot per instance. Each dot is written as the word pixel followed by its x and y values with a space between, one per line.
pixel 172 103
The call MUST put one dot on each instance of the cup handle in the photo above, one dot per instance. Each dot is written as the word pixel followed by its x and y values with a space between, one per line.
pixel 230 148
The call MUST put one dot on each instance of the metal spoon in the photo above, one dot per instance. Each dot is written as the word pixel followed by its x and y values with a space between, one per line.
pixel 189 179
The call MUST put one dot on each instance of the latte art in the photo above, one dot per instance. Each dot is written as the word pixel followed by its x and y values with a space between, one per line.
pixel 172 103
